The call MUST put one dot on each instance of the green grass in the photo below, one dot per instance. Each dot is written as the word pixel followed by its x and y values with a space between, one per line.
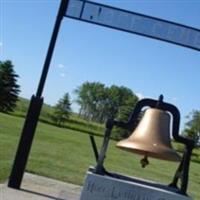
pixel 65 154
pixel 73 123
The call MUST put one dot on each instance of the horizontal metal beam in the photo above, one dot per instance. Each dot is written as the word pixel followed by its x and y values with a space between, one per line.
pixel 135 23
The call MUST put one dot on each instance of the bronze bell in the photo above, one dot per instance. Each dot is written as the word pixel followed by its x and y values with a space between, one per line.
pixel 151 137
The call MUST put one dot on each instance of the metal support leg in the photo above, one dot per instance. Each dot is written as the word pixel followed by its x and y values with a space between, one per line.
pixel 186 166
pixel 178 174
pixel 34 109
pixel 182 173
pixel 100 168
pixel 94 147
pixel 25 142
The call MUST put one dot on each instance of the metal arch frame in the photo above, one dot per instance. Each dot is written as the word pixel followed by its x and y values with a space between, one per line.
pixel 36 101
pixel 80 18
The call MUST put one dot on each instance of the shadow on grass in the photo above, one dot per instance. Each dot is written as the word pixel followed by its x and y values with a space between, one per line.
pixel 41 194
pixel 195 160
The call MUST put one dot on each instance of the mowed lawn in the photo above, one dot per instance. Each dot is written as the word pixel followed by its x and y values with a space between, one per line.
pixel 66 155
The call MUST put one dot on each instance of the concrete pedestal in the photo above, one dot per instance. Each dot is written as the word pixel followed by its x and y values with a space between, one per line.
pixel 119 187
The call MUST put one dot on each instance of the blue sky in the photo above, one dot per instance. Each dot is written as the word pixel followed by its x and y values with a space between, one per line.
pixel 86 52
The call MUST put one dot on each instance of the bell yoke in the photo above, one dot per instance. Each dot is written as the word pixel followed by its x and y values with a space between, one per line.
pixel 151 138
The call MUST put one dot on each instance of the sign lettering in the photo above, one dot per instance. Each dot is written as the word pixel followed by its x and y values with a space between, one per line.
pixel 97 187
pixel 136 23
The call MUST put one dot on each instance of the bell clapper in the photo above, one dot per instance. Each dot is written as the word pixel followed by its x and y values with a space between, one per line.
pixel 144 161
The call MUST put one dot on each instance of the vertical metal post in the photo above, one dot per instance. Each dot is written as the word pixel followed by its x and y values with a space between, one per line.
pixel 94 147
pixel 99 169
pixel 33 113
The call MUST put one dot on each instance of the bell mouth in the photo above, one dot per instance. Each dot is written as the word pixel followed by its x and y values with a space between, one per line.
pixel 150 150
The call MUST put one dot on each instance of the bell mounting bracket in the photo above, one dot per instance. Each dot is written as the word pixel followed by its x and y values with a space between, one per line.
pixel 182 171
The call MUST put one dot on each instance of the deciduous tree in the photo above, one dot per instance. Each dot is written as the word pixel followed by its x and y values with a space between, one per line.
pixel 192 127
pixel 98 103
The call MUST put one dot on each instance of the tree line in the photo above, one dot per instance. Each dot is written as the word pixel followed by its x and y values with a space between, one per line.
pixel 97 102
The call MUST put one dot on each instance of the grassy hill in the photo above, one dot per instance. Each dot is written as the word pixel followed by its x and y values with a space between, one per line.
pixel 73 123
pixel 66 154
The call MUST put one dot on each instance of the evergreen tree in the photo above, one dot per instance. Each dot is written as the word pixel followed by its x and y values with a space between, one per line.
pixel 62 110
pixel 9 89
